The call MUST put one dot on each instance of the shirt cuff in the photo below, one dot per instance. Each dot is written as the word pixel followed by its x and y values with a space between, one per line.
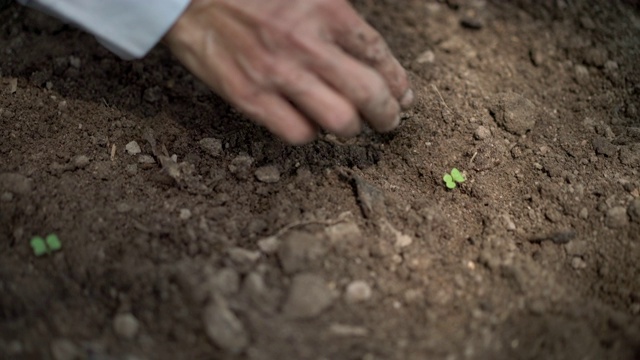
pixel 129 28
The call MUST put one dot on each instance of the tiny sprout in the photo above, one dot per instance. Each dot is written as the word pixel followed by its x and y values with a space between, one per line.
pixel 451 179
pixel 38 245
pixel 42 246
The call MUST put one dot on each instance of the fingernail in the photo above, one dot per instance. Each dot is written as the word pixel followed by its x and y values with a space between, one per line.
pixel 395 123
pixel 407 99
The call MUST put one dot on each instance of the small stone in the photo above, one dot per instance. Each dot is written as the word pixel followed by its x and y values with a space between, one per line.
pixel 15 183
pixel 185 214
pixel 226 282
pixel 596 56
pixel 634 210
pixel 6 196
pixel 75 61
pixel 348 330
pixel 81 161
pixel 617 217
pixel 482 133
pixel 584 213
pixel 553 215
pixel 123 208
pixel 581 74
pixel 63 349
pixel 211 146
pixel 240 166
pixel 427 57
pixel 256 290
pixel 344 232
pixel 269 245
pixel 602 146
pixel 243 259
pixel 300 250
pixel 577 263
pixel 536 57
pixel 152 94
pixel 126 326
pixel 587 23
pixel 146 160
pixel 268 174
pixel 514 113
pixel 576 248
pixel 358 291
pixel 224 328
pixel 133 148
pixel 132 169
pixel 308 297
pixel 611 66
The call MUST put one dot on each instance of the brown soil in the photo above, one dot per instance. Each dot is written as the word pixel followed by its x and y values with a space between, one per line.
pixel 535 256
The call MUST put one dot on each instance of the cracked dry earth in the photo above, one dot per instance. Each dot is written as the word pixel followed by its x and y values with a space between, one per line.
pixel 190 233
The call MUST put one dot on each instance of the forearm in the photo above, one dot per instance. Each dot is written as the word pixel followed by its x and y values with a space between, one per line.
pixel 129 28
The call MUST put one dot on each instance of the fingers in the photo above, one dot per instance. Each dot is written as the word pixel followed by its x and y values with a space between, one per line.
pixel 321 103
pixel 360 84
pixel 364 43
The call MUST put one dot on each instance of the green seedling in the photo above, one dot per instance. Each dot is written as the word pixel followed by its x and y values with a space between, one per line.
pixel 454 178
pixel 38 245
pixel 42 246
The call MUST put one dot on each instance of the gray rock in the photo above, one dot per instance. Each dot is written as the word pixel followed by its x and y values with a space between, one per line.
pixel 211 146
pixel 308 297
pixel 581 74
pixel 133 148
pixel 617 217
pixel 225 282
pixel 243 259
pixel 299 250
pixel 146 159
pixel 240 166
pixel 132 169
pixel 268 174
pixel 596 56
pixel 634 210
pixel 482 133
pixel 224 328
pixel 427 57
pixel 514 113
pixel 358 291
pixel 126 326
pixel 584 213
pixel 602 146
pixel 15 183
pixel 255 289
pixel 81 161
pixel 63 349
pixel 152 94
pixel 269 245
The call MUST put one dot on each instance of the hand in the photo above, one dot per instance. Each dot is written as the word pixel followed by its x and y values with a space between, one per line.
pixel 293 65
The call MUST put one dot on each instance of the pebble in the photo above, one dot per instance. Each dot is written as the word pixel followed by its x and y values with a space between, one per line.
pixel 211 146
pixel 15 183
pixel 268 174
pixel 226 281
pixel 126 326
pixel 81 161
pixel 240 166
pixel 123 208
pixel 482 133
pixel 427 57
pixel 348 330
pixel 577 263
pixel 185 214
pixel 75 61
pixel 308 297
pixel 581 74
pixel 269 245
pixel 514 113
pixel 152 94
pixel 344 232
pixel 299 250
pixel 617 217
pixel 224 328
pixel 243 259
pixel 6 196
pixel 611 65
pixel 64 349
pixel 146 159
pixel 358 291
pixel 602 146
pixel 133 148
pixel 584 213
pixel 634 210
pixel 132 169
pixel 596 56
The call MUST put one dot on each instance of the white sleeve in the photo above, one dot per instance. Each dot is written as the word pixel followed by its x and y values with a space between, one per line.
pixel 129 28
